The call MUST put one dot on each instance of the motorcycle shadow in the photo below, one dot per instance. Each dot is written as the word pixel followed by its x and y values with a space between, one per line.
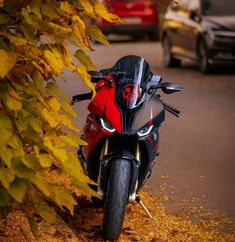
pixel 86 221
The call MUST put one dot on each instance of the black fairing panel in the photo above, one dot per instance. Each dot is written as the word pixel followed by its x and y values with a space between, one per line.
pixel 152 113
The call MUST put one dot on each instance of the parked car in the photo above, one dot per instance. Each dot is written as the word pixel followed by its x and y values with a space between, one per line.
pixel 140 18
pixel 202 30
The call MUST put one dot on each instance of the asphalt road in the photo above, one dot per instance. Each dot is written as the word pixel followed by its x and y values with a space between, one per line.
pixel 197 151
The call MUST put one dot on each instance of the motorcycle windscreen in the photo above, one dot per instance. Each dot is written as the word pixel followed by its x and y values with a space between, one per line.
pixel 133 74
pixel 152 113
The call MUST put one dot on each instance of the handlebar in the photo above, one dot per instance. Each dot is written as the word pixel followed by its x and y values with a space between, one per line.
pixel 81 97
pixel 171 109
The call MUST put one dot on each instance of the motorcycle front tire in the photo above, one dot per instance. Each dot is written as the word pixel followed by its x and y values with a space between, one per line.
pixel 116 198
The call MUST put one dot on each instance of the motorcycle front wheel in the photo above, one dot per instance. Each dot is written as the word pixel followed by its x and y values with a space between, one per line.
pixel 116 198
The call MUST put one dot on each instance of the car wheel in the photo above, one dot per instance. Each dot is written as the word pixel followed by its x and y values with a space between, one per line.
pixel 169 60
pixel 202 57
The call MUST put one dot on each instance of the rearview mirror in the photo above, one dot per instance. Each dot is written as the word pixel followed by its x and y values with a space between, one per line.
pixel 169 88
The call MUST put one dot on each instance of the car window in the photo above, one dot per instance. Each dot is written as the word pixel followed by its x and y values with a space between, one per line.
pixel 218 8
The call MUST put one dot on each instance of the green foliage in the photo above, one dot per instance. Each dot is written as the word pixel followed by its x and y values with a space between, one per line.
pixel 33 111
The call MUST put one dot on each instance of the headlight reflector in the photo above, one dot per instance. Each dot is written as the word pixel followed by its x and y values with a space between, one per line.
pixel 107 126
pixel 145 131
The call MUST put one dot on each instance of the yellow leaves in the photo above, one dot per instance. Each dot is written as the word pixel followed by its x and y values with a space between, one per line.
pixel 13 100
pixel 164 176
pixel 48 10
pixel 62 198
pixel 47 212
pixel 74 169
pixel 18 41
pixel 96 34
pixel 87 6
pixel 101 10
pixel 53 89
pixel 84 59
pixel 13 93
pixel 31 161
pixel 51 139
pixel 81 71
pixel 68 140
pixel 79 32
pixel 17 189
pixel 55 29
pixel 53 103
pixel 6 129
pixel 66 107
pixel 6 176
pixel 29 18
pixel 34 7
pixel 41 184
pixel 54 144
pixel 67 58
pixel 55 60
pixel 67 122
pixel 84 187
pixel 6 155
pixel 59 153
pixel 13 104
pixel 34 49
pixel 34 123
pixel 8 60
pixel 16 143
pixel 45 160
pixel 72 140
pixel 4 201
pixel 52 118
pixel 68 8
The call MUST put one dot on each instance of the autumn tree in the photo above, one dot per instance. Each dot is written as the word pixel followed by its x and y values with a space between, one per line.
pixel 34 161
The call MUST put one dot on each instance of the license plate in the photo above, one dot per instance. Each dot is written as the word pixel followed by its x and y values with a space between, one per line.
pixel 134 20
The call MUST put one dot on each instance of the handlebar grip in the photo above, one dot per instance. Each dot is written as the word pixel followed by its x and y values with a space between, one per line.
pixel 171 109
pixel 81 97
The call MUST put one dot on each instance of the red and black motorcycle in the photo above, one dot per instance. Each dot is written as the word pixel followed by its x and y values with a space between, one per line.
pixel 122 133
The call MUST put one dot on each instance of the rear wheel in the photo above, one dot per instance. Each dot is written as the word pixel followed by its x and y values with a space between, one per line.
pixel 169 60
pixel 116 198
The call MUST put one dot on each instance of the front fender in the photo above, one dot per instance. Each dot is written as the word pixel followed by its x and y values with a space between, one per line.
pixel 104 171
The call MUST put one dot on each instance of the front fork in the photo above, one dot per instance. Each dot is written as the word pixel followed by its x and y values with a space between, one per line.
pixel 105 159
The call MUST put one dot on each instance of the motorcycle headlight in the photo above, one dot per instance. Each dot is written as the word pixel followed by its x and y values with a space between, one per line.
pixel 106 125
pixel 145 131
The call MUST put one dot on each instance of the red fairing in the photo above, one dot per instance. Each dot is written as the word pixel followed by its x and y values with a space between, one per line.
pixel 93 133
pixel 104 105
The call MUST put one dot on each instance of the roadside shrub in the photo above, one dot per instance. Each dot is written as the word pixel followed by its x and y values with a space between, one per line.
pixel 35 166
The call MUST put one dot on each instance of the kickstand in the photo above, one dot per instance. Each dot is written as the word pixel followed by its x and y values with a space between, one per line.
pixel 138 200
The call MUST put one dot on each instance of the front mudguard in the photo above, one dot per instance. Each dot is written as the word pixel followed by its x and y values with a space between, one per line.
pixel 104 172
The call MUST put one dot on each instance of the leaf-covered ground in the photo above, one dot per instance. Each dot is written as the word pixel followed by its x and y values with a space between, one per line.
pixel 85 225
